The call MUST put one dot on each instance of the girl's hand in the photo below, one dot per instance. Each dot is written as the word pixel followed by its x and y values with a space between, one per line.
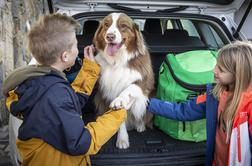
pixel 89 53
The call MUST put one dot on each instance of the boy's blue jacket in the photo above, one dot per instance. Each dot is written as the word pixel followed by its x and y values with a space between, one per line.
pixel 192 110
pixel 53 132
pixel 57 120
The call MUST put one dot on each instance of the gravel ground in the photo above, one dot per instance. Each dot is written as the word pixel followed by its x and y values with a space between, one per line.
pixel 4 147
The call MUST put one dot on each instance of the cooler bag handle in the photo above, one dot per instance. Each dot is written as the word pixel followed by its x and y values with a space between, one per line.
pixel 197 88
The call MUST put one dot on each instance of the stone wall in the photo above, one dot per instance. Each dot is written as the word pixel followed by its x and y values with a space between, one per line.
pixel 16 16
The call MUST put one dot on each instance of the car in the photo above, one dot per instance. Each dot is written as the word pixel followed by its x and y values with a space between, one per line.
pixel 167 27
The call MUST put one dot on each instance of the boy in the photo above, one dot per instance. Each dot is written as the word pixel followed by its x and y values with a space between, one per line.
pixel 52 132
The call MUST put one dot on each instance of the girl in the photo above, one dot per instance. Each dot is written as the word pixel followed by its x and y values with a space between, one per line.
pixel 226 107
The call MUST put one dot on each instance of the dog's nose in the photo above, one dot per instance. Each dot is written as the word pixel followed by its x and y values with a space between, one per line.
pixel 110 37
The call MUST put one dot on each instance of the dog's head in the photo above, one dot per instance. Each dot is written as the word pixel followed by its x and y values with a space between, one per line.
pixel 118 34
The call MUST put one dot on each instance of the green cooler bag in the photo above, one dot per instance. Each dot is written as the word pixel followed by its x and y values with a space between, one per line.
pixel 183 77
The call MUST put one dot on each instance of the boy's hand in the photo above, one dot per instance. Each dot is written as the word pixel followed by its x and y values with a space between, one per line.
pixel 89 52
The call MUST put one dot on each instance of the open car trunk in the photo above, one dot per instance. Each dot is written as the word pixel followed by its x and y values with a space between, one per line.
pixel 153 147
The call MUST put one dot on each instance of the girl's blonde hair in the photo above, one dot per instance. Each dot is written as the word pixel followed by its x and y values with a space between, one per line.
pixel 237 59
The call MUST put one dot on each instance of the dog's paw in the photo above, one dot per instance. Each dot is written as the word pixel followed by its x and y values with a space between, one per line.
pixel 118 103
pixel 140 128
pixel 122 143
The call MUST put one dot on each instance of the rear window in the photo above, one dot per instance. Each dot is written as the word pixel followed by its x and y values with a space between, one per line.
pixel 189 27
pixel 167 34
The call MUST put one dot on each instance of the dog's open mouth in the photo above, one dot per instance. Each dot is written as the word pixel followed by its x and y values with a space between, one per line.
pixel 112 48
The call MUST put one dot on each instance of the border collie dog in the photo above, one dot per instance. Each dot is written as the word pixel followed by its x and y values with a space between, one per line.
pixel 126 72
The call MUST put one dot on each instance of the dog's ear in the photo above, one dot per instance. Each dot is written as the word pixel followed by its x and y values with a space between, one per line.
pixel 98 36
pixel 139 40
pixel 97 33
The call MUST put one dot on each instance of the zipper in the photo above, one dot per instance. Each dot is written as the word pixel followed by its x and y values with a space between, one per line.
pixel 196 88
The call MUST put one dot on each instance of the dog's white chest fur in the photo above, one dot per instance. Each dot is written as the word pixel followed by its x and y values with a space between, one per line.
pixel 114 79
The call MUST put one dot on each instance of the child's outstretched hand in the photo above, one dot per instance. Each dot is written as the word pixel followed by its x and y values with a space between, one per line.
pixel 89 52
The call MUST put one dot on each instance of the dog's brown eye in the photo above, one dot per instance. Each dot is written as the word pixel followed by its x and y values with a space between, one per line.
pixel 123 26
pixel 106 25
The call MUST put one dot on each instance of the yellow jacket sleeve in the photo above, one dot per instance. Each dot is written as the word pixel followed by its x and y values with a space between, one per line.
pixel 104 128
pixel 87 77
pixel 12 97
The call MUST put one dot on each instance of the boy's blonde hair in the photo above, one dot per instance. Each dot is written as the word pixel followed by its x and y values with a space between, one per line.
pixel 237 59
pixel 50 37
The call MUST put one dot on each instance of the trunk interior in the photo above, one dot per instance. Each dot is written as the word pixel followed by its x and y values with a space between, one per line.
pixel 154 147
pixel 151 147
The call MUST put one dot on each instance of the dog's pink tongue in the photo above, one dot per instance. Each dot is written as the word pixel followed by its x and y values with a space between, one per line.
pixel 112 48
